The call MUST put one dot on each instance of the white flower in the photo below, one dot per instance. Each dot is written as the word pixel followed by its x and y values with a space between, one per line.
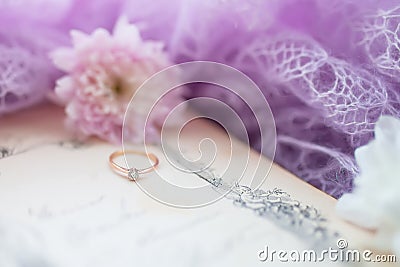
pixel 375 201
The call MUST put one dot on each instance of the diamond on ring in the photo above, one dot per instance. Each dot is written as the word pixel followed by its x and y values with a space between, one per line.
pixel 133 174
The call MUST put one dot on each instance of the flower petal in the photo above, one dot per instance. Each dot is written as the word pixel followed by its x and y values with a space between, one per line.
pixel 64 59
pixel 355 210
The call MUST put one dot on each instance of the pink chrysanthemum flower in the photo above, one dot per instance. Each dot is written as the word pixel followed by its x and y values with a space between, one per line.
pixel 103 72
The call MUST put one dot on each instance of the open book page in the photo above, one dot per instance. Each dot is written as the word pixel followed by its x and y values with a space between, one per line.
pixel 61 204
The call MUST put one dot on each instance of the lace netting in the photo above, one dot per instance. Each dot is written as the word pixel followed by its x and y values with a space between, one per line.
pixel 381 41
pixel 26 74
pixel 350 98
pixel 20 81
pixel 324 95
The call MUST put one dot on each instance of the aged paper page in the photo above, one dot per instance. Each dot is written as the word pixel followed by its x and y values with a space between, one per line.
pixel 61 205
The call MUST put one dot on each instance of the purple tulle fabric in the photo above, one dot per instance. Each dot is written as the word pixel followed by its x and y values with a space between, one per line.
pixel 328 68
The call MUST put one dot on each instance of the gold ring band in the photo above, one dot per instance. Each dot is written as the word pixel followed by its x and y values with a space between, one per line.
pixel 132 173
